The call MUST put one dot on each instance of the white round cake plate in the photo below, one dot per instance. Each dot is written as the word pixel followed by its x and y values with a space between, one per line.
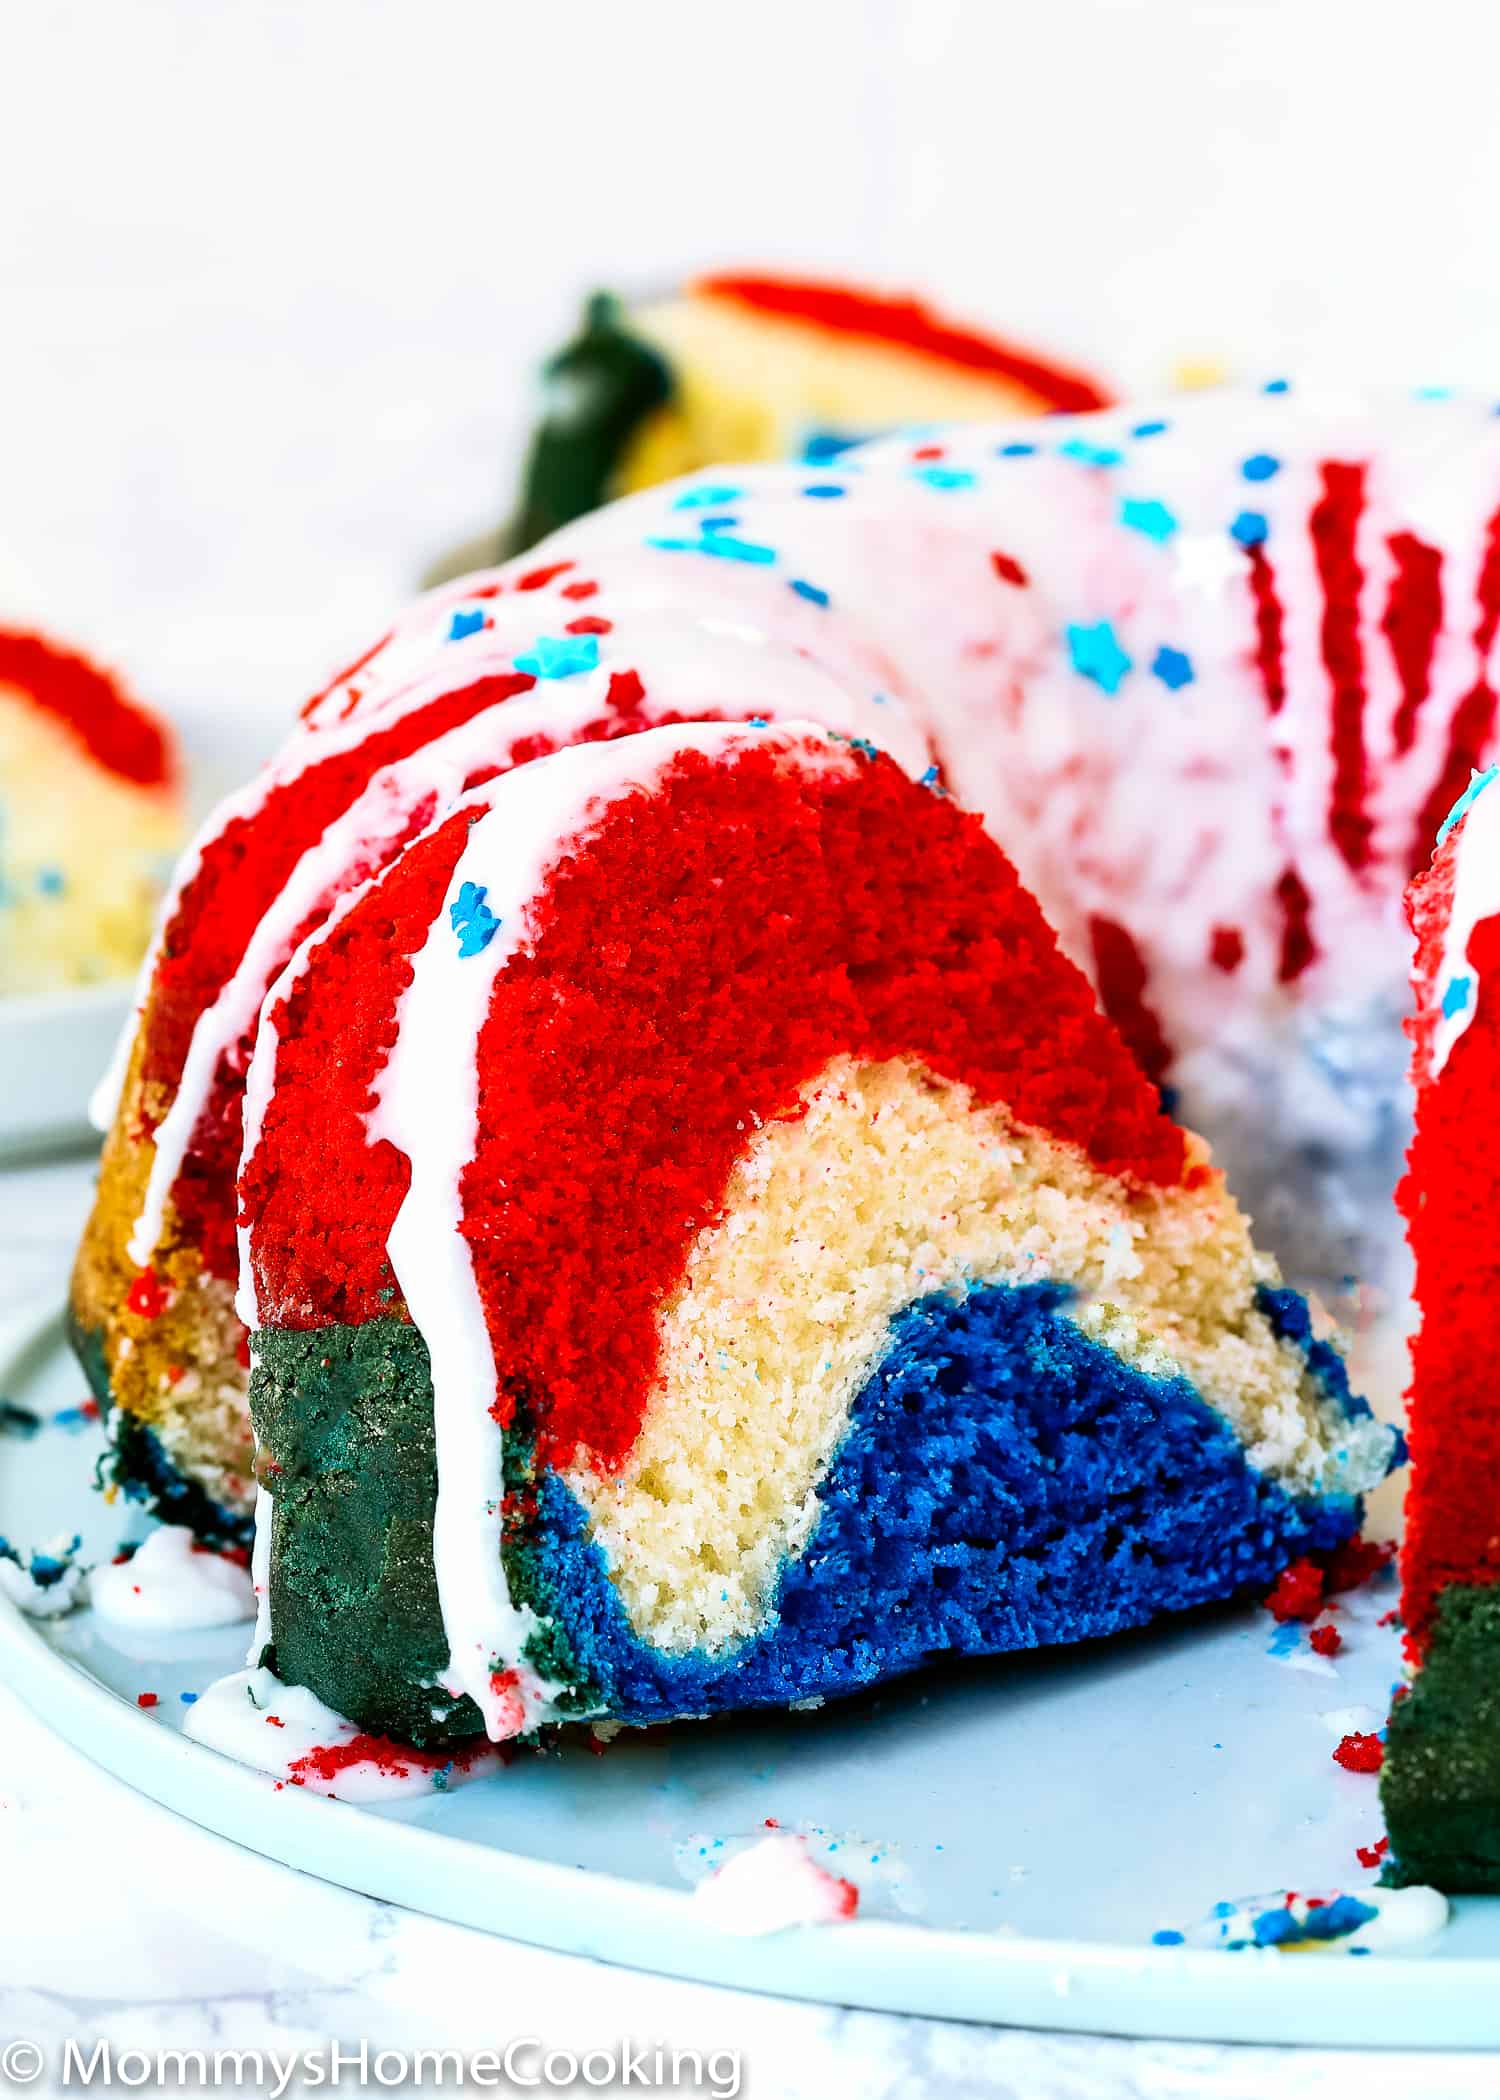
pixel 1020 1827
pixel 52 1051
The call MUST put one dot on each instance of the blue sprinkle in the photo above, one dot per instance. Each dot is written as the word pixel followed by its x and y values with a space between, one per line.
pixel 1456 998
pixel 1260 466
pixel 1097 654
pixel 1018 451
pixel 863 744
pixel 1274 1926
pixel 1277 386
pixel 1250 528
pixel 1173 667
pixel 1223 1910
pixel 1146 515
pixel 944 477
pixel 1090 455
pixel 51 881
pixel 464 623
pixel 820 446
pixel 188 1698
pixel 1166 1938
pixel 1432 393
pixel 472 920
pixel 706 498
pixel 561 655
pixel 809 591
pixel 720 544
pixel 825 489
pixel 930 779
pixel 760 721
pixel 1331 1921
pixel 1468 798
pixel 1149 430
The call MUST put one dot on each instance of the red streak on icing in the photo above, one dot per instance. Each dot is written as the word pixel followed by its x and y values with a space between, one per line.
pixel 349 671
pixel 1411 625
pixel 1298 948
pixel 117 733
pixel 1121 975
pixel 1226 949
pixel 1335 532
pixel 1473 718
pixel 1268 624
pixel 909 325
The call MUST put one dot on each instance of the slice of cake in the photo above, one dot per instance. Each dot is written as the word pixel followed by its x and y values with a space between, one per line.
pixel 1441 1776
pixel 89 818
pixel 704 1248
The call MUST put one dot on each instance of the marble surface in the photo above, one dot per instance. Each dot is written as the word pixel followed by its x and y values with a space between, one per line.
pixel 120 1923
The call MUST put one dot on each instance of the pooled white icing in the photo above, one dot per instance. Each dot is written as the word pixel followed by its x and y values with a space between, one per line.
pixel 771 1885
pixel 254 1718
pixel 1476 896
pixel 427 1106
pixel 171 1584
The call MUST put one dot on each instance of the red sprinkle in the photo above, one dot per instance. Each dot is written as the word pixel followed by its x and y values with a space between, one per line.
pixel 1325 1640
pixel 534 579
pixel 1226 949
pixel 625 691
pixel 1298 1592
pixel 146 1699
pixel 1009 570
pixel 578 590
pixel 589 623
pixel 1372 1855
pixel 147 1296
pixel 1360 1753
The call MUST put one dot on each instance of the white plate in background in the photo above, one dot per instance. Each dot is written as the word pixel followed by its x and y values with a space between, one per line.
pixel 53 1049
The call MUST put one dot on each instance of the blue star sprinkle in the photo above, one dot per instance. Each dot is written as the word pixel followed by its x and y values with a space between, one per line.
pixel 1097 654
pixel 820 446
pixel 1173 667
pixel 1145 514
pixel 472 920
pixel 1456 997
pixel 809 591
pixel 707 498
pixel 561 655
pixel 1260 466
pixel 1166 1938
pixel 1090 455
pixel 1018 451
pixel 1250 528
pixel 464 623
pixel 944 477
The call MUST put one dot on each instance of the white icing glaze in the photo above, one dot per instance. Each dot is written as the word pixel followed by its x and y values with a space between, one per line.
pixel 171 1584
pixel 254 1718
pixel 427 1107
pixel 771 1885
pixel 260 1574
pixel 1476 896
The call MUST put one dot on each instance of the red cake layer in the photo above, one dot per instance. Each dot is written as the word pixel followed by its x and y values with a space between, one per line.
pixel 699 959
pixel 1448 1197
pixel 115 730
pixel 909 325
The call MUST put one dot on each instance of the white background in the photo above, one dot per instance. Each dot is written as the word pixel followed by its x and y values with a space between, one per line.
pixel 274 276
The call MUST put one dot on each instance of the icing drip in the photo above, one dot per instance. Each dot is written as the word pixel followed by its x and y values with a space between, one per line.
pixel 171 1584
pixel 1476 896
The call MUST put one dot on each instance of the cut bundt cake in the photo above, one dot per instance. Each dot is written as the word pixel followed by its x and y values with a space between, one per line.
pixel 704 1248
pixel 89 818
pixel 1441 1776
pixel 745 366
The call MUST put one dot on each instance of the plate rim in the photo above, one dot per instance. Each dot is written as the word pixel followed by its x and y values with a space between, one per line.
pixel 1392 2000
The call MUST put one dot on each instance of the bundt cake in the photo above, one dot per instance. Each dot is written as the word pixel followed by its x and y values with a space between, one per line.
pixel 670 1133
pixel 752 367
pixel 89 818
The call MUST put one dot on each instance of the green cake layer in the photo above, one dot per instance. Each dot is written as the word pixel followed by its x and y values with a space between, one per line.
pixel 1440 1783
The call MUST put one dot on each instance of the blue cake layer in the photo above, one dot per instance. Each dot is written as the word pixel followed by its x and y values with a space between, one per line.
pixel 1006 1482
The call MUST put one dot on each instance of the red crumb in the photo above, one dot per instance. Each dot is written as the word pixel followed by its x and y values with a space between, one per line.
pixel 1389 1618
pixel 1325 1640
pixel 147 1296
pixel 1372 1855
pixel 846 1900
pixel 274 1721
pixel 1297 1592
pixel 146 1699
pixel 1360 1753
pixel 1354 1563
